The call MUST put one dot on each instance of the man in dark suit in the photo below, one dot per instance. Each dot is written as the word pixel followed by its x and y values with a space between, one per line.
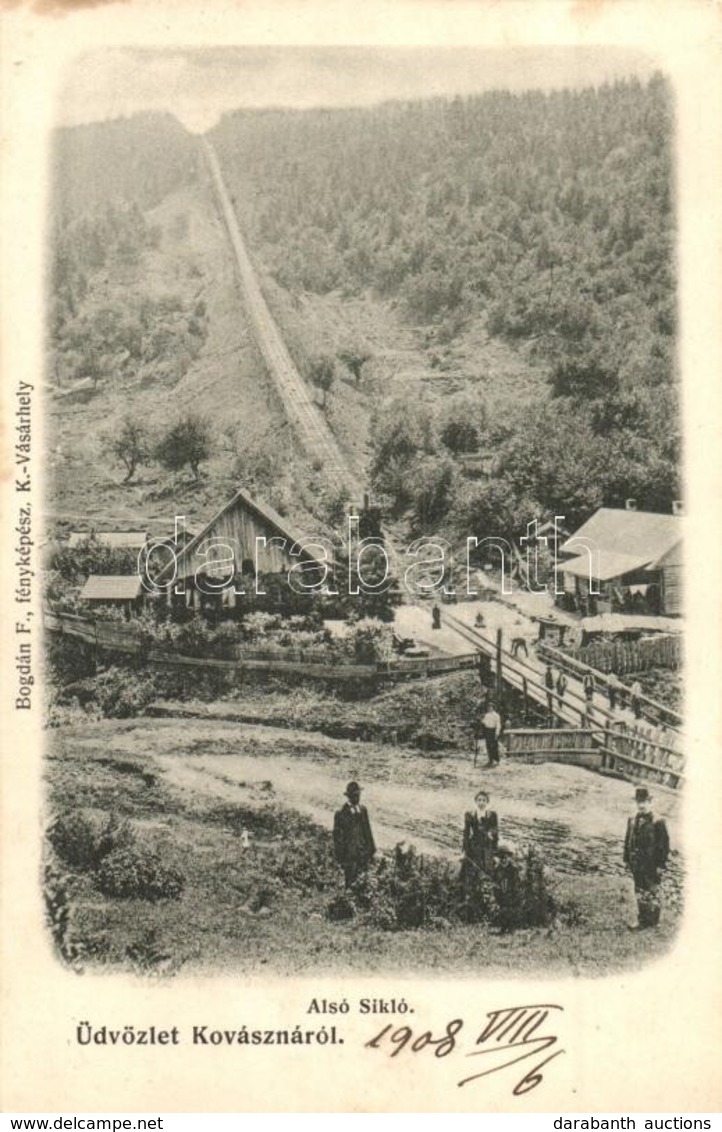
pixel 353 841
pixel 646 849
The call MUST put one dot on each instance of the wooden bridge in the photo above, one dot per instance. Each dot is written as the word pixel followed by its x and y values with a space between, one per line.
pixel 311 429
pixel 587 735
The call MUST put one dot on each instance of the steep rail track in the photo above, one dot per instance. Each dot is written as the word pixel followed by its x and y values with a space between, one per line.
pixel 312 431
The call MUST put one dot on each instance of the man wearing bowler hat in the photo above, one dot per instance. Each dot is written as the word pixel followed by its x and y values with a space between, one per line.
pixel 353 842
pixel 646 849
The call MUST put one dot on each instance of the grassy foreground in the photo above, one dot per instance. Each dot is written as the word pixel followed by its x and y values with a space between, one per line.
pixel 189 791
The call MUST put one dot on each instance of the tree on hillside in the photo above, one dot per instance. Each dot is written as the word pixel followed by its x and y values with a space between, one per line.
pixel 321 372
pixel 94 364
pixel 188 441
pixel 462 424
pixel 555 458
pixel 430 480
pixel 131 446
pixel 354 357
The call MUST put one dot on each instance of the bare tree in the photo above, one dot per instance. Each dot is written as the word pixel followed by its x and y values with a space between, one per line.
pixel 131 446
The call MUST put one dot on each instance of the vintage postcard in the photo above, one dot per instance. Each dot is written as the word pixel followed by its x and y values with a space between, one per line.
pixel 360 394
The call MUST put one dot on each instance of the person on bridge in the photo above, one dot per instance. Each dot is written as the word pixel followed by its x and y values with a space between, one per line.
pixel 435 616
pixel 561 687
pixel 491 730
pixel 613 690
pixel 353 841
pixel 589 687
pixel 636 698
pixel 646 850
pixel 549 678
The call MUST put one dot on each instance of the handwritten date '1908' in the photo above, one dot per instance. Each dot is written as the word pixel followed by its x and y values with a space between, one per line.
pixel 510 1035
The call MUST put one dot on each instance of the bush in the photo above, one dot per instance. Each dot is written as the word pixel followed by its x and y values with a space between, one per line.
pixel 83 842
pixel 188 441
pixel 74 837
pixel 121 694
pixel 117 834
pixel 408 890
pixel 137 872
pixel 307 866
pixel 57 892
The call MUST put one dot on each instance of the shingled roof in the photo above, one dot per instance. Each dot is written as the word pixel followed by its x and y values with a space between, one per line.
pixel 111 587
pixel 626 540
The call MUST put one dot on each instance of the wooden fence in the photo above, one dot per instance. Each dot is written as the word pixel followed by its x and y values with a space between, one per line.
pixel 650 710
pixel 112 636
pixel 630 756
pixel 631 656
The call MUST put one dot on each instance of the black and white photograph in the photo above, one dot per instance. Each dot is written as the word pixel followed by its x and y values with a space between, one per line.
pixel 361 559
pixel 363 590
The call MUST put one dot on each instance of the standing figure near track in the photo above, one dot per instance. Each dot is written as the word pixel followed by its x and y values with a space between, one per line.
pixel 491 730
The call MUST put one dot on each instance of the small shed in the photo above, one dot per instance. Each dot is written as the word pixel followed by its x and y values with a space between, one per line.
pixel 476 465
pixel 124 591
pixel 116 540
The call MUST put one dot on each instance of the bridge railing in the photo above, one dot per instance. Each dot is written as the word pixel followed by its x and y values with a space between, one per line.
pixel 651 710
pixel 637 759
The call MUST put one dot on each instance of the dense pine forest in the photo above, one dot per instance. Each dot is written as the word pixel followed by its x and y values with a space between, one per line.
pixel 550 216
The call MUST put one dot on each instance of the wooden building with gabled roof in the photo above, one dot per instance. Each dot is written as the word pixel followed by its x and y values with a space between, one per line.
pixel 261 542
pixel 624 560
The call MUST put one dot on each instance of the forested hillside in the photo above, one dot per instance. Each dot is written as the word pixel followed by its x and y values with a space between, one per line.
pixel 150 364
pixel 550 217
pixel 139 160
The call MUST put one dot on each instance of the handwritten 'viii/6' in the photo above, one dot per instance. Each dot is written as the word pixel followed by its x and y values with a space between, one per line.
pixel 510 1035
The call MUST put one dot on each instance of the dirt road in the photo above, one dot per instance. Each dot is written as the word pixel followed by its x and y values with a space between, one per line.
pixel 574 816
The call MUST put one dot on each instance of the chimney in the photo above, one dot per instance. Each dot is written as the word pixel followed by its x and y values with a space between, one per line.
pixel 630 505
pixel 677 507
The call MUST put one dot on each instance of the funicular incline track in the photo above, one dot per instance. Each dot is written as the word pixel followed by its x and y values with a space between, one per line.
pixel 312 431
